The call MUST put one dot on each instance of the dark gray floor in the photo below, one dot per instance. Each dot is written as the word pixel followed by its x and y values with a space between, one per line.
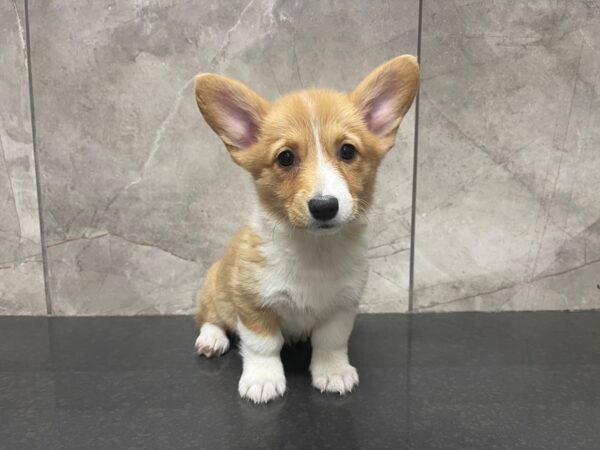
pixel 482 381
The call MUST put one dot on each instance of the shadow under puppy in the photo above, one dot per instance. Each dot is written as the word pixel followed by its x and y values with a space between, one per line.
pixel 299 267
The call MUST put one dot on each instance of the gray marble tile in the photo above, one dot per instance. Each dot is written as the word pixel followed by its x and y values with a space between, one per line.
pixel 508 216
pixel 131 174
pixel 21 273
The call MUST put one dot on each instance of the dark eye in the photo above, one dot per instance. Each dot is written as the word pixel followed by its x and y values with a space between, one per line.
pixel 347 152
pixel 286 158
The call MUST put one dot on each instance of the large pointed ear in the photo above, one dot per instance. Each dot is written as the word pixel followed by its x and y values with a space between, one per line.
pixel 386 94
pixel 232 110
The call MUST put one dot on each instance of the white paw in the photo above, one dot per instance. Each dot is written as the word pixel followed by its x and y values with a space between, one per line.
pixel 262 379
pixel 338 377
pixel 261 386
pixel 212 341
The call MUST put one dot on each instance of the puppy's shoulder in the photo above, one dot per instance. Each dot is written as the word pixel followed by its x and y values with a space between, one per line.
pixel 245 248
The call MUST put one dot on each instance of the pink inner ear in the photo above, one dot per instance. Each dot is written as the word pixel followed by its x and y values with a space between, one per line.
pixel 381 114
pixel 382 111
pixel 241 128
pixel 240 125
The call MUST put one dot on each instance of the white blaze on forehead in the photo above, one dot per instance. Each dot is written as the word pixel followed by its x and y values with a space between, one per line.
pixel 329 180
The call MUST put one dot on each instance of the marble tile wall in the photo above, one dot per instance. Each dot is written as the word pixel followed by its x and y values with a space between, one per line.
pixel 140 197
pixel 508 210
pixel 21 270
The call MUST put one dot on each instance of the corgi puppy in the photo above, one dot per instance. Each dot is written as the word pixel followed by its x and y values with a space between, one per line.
pixel 298 268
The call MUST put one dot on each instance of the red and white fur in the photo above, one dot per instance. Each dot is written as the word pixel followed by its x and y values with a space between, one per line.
pixel 299 267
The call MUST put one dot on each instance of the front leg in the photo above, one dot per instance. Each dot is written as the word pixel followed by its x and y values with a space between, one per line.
pixel 262 376
pixel 331 371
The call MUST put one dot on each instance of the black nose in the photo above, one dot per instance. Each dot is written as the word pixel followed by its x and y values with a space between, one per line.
pixel 324 207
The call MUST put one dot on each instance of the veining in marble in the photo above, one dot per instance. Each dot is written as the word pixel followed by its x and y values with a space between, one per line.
pixel 21 271
pixel 139 195
pixel 508 216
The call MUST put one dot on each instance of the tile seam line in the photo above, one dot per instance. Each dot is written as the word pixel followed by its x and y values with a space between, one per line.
pixel 413 212
pixel 36 163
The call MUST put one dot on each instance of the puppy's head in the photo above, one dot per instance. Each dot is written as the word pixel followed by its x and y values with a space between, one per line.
pixel 313 154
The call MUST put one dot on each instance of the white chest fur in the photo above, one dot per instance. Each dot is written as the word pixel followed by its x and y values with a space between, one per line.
pixel 306 276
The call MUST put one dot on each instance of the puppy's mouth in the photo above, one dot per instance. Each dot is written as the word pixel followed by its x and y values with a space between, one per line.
pixel 325 226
